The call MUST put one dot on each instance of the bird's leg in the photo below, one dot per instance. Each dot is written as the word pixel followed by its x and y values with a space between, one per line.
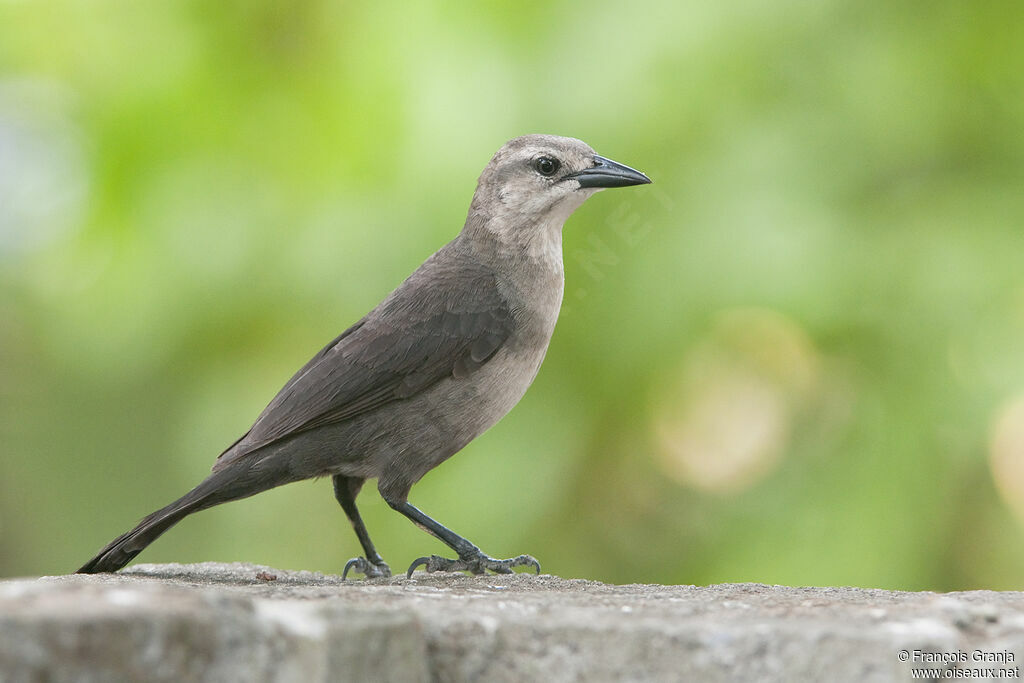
pixel 372 565
pixel 470 557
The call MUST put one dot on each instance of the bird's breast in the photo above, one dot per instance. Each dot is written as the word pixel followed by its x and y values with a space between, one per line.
pixel 492 391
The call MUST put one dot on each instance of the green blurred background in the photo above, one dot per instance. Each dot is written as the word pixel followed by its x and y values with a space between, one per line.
pixel 796 358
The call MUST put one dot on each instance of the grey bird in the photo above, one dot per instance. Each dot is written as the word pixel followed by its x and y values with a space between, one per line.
pixel 433 366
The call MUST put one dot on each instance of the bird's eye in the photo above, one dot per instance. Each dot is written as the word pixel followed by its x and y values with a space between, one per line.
pixel 546 166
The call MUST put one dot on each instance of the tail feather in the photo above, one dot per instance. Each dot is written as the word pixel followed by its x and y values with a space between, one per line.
pixel 125 547
pixel 228 484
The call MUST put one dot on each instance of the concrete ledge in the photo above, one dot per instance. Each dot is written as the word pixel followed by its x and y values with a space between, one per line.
pixel 235 622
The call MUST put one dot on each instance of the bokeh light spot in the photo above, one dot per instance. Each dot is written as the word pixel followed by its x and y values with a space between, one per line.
pixel 724 422
pixel 43 178
pixel 1006 453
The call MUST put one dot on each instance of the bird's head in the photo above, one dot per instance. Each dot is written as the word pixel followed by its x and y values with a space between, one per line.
pixel 534 182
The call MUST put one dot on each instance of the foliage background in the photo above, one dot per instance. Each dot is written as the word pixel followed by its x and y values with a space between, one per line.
pixel 796 358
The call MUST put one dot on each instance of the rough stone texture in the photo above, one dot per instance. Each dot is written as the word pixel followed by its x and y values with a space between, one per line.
pixel 234 622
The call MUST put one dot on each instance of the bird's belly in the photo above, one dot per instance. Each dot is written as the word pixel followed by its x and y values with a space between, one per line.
pixel 448 416
pixel 473 405
pixel 404 440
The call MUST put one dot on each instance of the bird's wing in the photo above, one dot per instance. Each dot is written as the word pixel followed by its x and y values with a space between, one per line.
pixel 422 333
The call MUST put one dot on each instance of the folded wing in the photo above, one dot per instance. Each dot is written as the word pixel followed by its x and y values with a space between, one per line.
pixel 429 329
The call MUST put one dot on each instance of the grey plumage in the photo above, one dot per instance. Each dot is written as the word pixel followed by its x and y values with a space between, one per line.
pixel 438 362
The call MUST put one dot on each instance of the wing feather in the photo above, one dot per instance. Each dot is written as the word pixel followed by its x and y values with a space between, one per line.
pixel 430 328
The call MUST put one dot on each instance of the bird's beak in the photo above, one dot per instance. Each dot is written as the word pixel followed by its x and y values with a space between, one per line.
pixel 608 173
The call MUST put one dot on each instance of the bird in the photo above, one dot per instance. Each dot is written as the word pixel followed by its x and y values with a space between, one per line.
pixel 438 362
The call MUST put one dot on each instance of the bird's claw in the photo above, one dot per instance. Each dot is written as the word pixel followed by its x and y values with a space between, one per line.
pixel 370 570
pixel 476 565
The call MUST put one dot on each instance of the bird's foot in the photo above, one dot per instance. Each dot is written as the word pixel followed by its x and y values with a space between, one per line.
pixel 477 564
pixel 371 570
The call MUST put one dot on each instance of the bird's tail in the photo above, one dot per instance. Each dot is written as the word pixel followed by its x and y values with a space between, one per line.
pixel 228 484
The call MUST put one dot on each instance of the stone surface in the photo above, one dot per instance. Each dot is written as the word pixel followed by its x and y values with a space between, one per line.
pixel 234 622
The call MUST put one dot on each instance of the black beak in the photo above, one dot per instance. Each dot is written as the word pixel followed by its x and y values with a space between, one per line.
pixel 608 173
